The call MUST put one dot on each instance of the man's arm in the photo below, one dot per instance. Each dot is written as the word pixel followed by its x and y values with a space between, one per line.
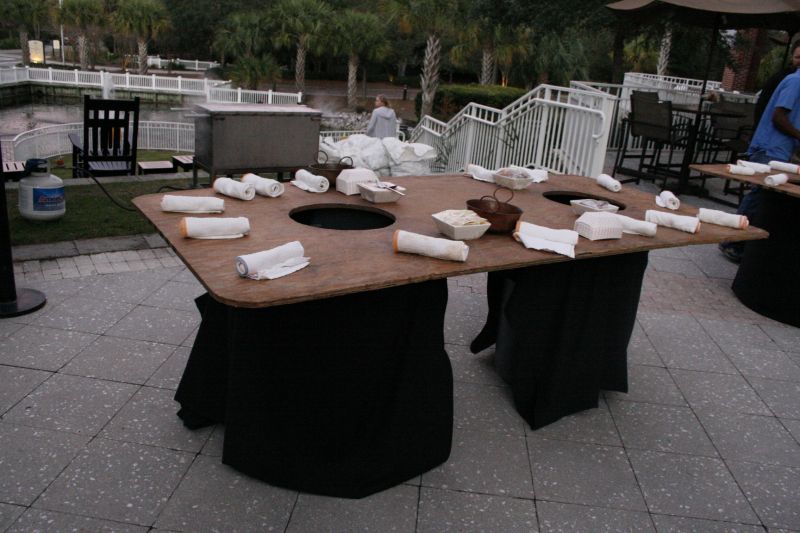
pixel 780 118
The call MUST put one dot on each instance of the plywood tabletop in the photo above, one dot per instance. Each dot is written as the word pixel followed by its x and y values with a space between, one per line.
pixel 344 262
pixel 792 188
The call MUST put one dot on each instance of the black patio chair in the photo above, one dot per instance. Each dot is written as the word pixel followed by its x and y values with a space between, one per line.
pixel 655 124
pixel 109 141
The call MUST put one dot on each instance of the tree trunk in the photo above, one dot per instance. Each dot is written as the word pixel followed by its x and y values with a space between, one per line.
pixel 83 52
pixel 401 67
pixel 352 80
pixel 300 66
pixel 664 51
pixel 142 56
pixel 619 52
pixel 429 80
pixel 488 62
pixel 23 44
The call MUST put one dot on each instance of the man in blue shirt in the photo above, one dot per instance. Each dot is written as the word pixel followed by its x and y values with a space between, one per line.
pixel 776 138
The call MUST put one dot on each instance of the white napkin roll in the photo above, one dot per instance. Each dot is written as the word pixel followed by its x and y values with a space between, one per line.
pixel 538 175
pixel 604 180
pixel 560 241
pixel 721 218
pixel 776 179
pixel 264 186
pixel 480 173
pixel 637 227
pixel 234 189
pixel 668 200
pixel 192 204
pixel 741 170
pixel 307 181
pixel 214 228
pixel 273 263
pixel 669 220
pixel 414 243
pixel 785 167
pixel 758 167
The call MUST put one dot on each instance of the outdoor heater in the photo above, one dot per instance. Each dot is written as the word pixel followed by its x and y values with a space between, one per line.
pixel 240 138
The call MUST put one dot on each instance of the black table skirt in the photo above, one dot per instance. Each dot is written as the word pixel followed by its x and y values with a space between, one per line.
pixel 768 279
pixel 562 332
pixel 343 397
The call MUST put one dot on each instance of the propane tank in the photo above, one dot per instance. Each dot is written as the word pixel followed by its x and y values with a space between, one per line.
pixel 41 195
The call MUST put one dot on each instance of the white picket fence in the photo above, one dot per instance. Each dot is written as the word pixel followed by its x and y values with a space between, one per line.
pixel 50 141
pixel 188 64
pixel 560 129
pixel 212 90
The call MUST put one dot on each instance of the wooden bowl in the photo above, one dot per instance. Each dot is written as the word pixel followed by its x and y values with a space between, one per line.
pixel 501 215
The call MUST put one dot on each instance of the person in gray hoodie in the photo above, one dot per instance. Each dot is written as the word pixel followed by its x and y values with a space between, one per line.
pixel 383 122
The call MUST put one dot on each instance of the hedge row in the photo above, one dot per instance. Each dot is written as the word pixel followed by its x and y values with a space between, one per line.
pixel 450 99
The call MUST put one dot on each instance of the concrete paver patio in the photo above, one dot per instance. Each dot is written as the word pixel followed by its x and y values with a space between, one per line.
pixel 707 439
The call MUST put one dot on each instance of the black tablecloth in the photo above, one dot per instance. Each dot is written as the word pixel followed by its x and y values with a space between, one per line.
pixel 562 332
pixel 345 396
pixel 768 279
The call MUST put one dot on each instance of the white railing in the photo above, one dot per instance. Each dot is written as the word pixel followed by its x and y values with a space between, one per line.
pixel 212 90
pixel 669 82
pixel 51 141
pixel 556 128
pixel 188 64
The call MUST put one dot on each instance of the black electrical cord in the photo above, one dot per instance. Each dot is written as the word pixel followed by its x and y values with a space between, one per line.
pixel 113 200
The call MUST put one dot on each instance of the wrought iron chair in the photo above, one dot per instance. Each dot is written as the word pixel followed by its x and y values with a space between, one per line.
pixel 653 122
pixel 109 141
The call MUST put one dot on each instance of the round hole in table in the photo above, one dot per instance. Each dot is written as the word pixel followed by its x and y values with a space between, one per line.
pixel 342 216
pixel 564 197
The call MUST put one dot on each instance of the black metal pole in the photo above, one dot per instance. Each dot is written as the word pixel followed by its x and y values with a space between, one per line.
pixel 13 301
pixel 688 154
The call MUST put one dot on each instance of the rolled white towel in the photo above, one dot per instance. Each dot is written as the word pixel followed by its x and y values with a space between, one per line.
pixel 538 175
pixel 604 180
pixel 192 204
pixel 214 228
pixel 637 227
pixel 560 241
pixel 234 189
pixel 303 179
pixel 480 173
pixel 273 263
pixel 264 186
pixel 668 200
pixel 414 243
pixel 758 167
pixel 741 170
pixel 721 218
pixel 669 220
pixel 785 167
pixel 776 179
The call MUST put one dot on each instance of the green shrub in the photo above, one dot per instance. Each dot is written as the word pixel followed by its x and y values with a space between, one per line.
pixel 9 43
pixel 450 99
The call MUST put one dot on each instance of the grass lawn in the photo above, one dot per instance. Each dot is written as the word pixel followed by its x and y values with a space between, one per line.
pixel 89 214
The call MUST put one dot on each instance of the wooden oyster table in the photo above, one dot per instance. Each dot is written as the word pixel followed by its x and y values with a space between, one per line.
pixel 334 379
pixel 767 280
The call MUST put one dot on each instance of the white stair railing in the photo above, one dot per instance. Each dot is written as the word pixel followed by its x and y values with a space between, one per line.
pixel 556 128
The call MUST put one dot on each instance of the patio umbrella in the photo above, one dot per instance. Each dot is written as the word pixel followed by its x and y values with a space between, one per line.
pixel 716 14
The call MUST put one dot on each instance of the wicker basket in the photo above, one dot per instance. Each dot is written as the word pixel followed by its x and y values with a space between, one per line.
pixel 502 215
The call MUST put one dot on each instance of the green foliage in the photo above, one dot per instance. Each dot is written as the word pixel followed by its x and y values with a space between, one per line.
pixel 145 19
pixel 450 99
pixel 360 34
pixel 81 14
pixel 250 71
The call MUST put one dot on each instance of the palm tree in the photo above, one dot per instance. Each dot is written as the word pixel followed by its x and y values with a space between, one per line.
pixel 512 47
pixel 480 35
pixel 358 35
pixel 435 19
pixel 81 16
pixel 243 38
pixel 26 15
pixel 301 23
pixel 144 19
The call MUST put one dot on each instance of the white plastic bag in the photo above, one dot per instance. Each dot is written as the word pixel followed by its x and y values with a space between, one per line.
pixel 402 152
